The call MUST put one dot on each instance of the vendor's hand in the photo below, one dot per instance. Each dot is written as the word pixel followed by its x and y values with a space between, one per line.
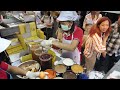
pixel 105 37
pixel 32 75
pixel 53 39
pixel 46 43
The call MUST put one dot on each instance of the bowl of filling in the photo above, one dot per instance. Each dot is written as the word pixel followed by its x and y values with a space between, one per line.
pixel 77 69
pixel 69 75
pixel 51 73
pixel 30 65
pixel 60 68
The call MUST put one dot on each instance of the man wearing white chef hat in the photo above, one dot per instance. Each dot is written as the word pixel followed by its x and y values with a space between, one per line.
pixel 70 35
pixel 5 68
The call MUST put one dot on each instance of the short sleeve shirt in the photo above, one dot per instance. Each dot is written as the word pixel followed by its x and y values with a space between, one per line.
pixel 3 69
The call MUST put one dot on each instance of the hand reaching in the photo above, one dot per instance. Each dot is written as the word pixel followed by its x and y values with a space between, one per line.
pixel 46 43
pixel 32 75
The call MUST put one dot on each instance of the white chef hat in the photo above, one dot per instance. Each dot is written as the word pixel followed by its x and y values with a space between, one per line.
pixel 4 43
pixel 67 16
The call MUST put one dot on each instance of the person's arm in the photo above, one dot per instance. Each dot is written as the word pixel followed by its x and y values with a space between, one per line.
pixel 88 51
pixel 84 23
pixel 19 71
pixel 69 47
pixel 42 19
pixel 84 40
pixel 52 20
pixel 59 34
pixel 104 43
pixel 104 53
pixel 16 70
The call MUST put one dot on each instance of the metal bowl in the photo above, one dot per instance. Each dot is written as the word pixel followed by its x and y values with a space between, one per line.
pixel 27 64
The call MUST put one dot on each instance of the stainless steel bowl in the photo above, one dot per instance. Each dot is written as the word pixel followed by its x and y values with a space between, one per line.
pixel 26 64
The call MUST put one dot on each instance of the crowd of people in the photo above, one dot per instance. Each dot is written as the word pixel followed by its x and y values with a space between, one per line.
pixel 91 40
pixel 93 44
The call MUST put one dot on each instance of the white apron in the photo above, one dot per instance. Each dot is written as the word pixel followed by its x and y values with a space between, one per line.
pixel 74 55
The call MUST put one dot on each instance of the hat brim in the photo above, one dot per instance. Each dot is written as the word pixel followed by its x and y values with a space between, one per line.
pixel 4 43
pixel 63 19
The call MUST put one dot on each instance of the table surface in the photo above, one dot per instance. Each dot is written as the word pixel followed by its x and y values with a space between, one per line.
pixel 115 67
pixel 18 62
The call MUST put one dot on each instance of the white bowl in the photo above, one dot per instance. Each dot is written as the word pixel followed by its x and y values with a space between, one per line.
pixel 68 62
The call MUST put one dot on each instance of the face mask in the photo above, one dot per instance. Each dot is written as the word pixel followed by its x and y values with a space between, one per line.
pixel 65 27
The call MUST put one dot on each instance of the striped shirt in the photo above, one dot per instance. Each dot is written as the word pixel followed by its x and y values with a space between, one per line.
pixel 94 44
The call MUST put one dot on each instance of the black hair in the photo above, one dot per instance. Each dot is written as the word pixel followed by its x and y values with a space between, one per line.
pixel 72 27
pixel 47 12
pixel 4 57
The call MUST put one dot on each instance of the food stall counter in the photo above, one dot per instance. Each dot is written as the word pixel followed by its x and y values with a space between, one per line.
pixel 115 68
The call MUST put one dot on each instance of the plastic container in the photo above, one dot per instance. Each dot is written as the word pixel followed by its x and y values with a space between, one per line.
pixel 32 49
pixel 37 53
pixel 53 57
pixel 45 61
